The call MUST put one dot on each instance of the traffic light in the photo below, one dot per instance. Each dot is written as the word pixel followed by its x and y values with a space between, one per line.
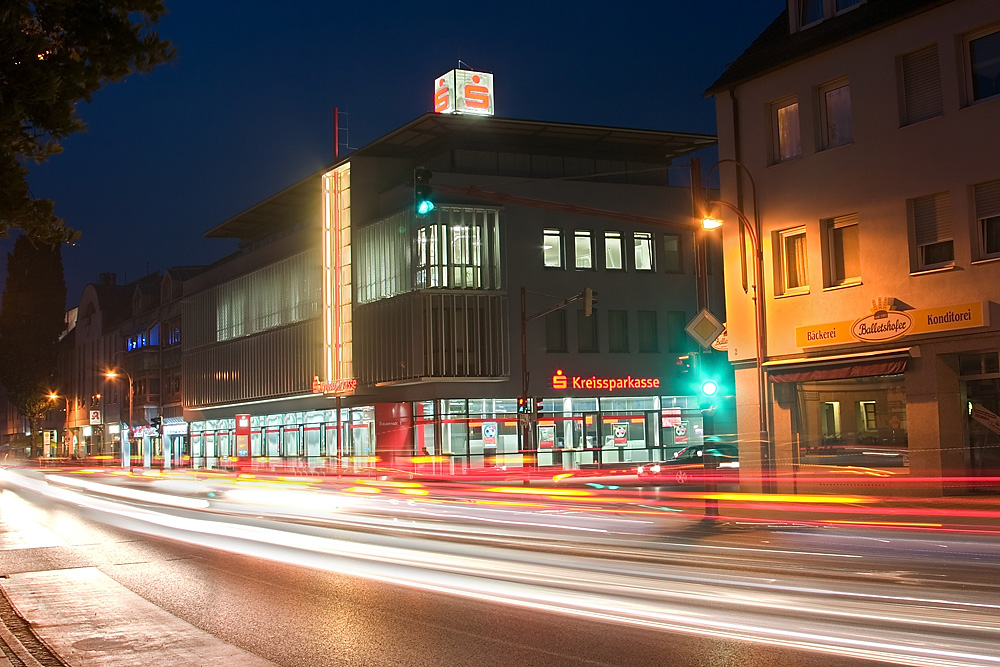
pixel 422 202
pixel 157 423
pixel 539 406
pixel 589 299
pixel 522 406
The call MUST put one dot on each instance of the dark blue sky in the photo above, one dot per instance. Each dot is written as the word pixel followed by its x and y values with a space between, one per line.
pixel 247 107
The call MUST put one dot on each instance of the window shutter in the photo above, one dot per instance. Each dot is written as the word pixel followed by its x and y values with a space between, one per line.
pixel 987 200
pixel 921 85
pixel 932 218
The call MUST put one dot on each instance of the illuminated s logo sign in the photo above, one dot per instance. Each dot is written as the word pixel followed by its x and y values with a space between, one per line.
pixel 462 91
pixel 559 380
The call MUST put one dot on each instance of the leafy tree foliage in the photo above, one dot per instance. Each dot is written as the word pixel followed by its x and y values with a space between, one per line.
pixel 53 54
pixel 32 318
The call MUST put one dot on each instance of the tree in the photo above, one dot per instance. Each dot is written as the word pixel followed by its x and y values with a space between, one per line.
pixel 53 54
pixel 32 318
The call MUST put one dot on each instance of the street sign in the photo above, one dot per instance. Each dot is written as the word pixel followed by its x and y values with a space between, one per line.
pixel 705 328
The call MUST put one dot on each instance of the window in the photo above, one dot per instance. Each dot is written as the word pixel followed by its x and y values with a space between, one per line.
pixel 794 276
pixel 677 337
pixel 583 246
pixel 586 332
pixel 983 53
pixel 785 128
pixel 867 421
pixel 552 248
pixel 648 340
pixel 932 231
pixel 555 331
pixel 672 256
pixel 921 85
pixel 835 107
pixel 810 11
pixel 617 331
pixel 643 251
pixel 842 251
pixel 987 198
pixel 613 251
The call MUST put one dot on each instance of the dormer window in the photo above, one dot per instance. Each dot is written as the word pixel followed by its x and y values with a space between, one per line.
pixel 806 13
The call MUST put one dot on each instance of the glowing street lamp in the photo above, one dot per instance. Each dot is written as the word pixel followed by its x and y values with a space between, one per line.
pixel 126 442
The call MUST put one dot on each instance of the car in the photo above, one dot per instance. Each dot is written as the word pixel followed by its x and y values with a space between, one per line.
pixel 688 465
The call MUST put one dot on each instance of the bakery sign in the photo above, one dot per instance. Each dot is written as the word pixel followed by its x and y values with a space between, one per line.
pixel 885 323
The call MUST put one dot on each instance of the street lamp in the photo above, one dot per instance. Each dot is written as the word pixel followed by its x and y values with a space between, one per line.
pixel 749 229
pixel 53 397
pixel 126 442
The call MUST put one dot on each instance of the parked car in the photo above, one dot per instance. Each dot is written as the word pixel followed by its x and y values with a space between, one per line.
pixel 688 465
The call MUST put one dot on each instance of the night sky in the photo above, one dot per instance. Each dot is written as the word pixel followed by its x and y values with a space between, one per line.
pixel 246 108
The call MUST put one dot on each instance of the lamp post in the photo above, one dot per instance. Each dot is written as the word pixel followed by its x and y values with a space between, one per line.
pixel 750 230
pixel 126 442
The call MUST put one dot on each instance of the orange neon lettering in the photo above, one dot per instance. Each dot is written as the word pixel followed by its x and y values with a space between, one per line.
pixel 560 381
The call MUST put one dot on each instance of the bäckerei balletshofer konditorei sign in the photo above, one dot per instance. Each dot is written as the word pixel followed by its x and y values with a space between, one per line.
pixel 885 323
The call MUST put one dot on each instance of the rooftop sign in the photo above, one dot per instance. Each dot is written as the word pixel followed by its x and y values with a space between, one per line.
pixel 464 92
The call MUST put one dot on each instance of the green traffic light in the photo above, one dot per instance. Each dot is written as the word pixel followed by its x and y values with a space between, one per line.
pixel 424 207
pixel 709 388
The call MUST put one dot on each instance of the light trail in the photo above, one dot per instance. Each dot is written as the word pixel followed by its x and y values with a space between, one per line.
pixel 675 586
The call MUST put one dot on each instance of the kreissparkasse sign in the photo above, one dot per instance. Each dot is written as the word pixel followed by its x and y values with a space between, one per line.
pixel 885 323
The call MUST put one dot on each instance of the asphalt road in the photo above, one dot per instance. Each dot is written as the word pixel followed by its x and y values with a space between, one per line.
pixel 289 614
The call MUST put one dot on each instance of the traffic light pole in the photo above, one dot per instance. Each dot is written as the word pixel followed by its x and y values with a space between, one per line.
pixel 528 425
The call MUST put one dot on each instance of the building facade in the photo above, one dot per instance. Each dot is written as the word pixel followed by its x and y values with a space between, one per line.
pixel 350 331
pixel 860 146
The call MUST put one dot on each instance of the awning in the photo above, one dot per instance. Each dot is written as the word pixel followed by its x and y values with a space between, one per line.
pixel 839 367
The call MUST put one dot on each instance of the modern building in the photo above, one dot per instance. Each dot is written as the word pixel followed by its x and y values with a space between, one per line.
pixel 348 329
pixel 860 147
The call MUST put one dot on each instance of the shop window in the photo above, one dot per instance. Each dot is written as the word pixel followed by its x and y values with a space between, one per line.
pixel 931 216
pixel 555 331
pixel 835 109
pixel 987 200
pixel 982 52
pixel 642 251
pixel 586 332
pixel 583 249
pixel 648 340
pixel 552 248
pixel 672 255
pixel 613 251
pixel 842 251
pixel 876 438
pixel 785 130
pixel 793 278
pixel 920 72
pixel 617 331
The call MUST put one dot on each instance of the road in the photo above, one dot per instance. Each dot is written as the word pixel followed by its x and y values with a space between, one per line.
pixel 453 578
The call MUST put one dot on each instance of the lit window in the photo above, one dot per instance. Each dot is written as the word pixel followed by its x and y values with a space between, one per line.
pixel 987 198
pixel 672 256
pixel 842 250
pixel 785 128
pixel 613 251
pixel 643 242
pixel 835 105
pixel 983 52
pixel 794 276
pixel 583 246
pixel 932 231
pixel 552 248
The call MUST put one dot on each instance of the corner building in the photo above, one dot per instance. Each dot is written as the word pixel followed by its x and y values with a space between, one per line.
pixel 353 331
pixel 867 135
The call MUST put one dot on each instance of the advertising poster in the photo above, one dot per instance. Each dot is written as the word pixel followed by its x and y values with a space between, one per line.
pixel 489 434
pixel 681 433
pixel 621 434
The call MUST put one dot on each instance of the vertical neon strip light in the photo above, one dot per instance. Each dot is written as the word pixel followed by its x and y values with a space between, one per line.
pixel 337 301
